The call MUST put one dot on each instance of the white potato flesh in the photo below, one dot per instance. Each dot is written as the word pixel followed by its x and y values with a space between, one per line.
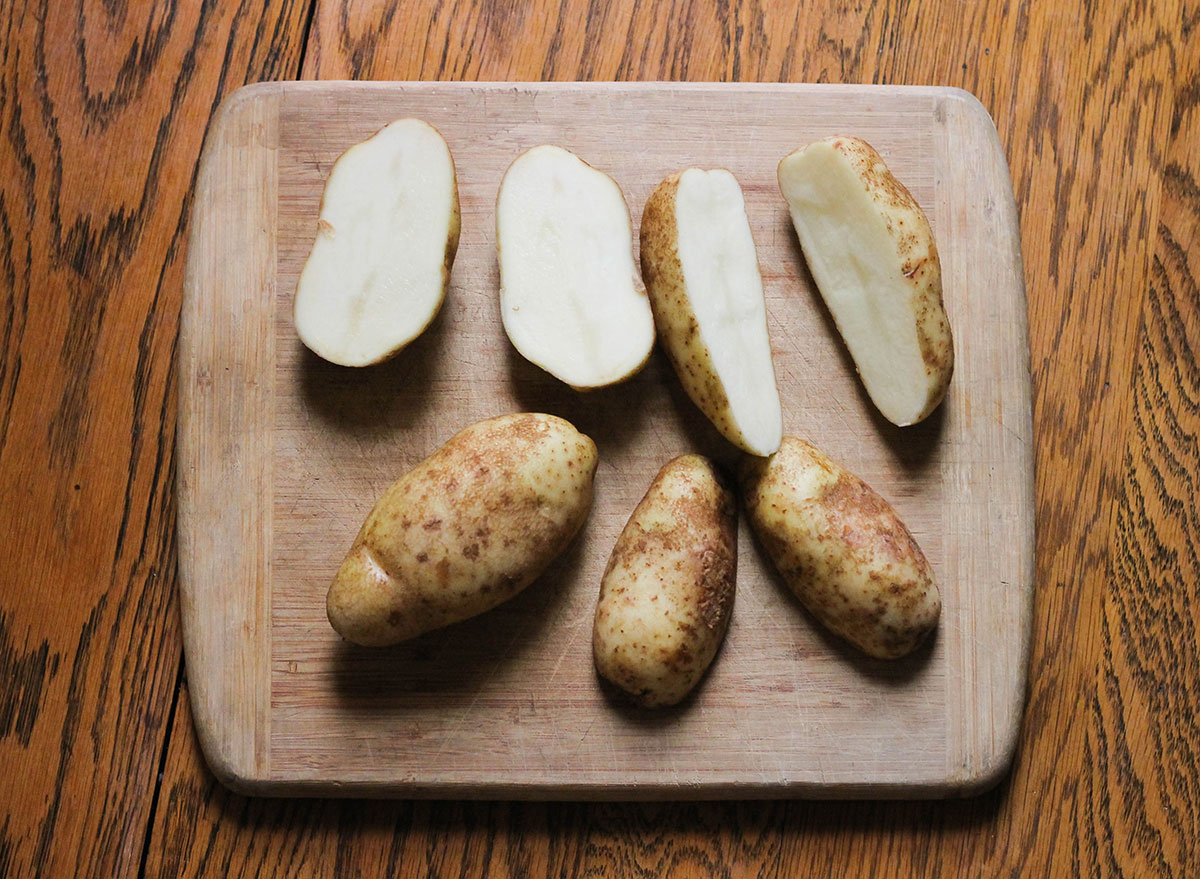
pixel 871 251
pixel 386 238
pixel 720 271
pixel 570 296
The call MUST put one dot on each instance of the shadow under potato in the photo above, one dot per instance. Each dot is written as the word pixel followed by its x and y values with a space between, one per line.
pixel 376 399
pixel 452 664
pixel 612 416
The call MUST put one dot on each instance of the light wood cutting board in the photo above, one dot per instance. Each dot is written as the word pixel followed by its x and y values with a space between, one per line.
pixel 281 455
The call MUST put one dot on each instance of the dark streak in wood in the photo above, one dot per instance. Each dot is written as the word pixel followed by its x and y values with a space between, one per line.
pixel 103 107
pixel 25 674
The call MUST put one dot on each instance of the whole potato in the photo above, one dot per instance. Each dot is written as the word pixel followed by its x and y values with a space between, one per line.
pixel 667 593
pixel 842 549
pixel 467 529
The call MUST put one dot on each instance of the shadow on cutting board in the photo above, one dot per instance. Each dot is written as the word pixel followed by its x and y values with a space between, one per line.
pixel 612 416
pixel 375 400
pixel 450 665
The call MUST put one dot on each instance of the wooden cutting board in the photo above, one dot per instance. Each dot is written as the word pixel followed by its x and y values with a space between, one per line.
pixel 281 455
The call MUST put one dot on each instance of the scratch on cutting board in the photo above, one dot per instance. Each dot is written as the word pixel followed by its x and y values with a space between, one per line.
pixel 558 664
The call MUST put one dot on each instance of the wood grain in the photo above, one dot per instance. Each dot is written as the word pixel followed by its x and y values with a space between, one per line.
pixel 1083 103
pixel 281 457
pixel 1096 106
pixel 1144 714
pixel 102 111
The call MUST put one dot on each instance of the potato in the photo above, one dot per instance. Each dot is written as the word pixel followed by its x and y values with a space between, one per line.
pixel 842 549
pixel 468 528
pixel 386 238
pixel 872 254
pixel 570 296
pixel 667 593
pixel 702 276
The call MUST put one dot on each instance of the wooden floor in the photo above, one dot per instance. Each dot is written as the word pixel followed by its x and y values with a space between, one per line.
pixel 103 111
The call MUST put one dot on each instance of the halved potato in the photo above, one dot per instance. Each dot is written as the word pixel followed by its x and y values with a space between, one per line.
pixel 841 549
pixel 871 251
pixel 386 238
pixel 701 272
pixel 570 296
pixel 667 593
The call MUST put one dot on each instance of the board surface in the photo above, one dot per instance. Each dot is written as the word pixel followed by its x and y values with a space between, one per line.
pixel 281 455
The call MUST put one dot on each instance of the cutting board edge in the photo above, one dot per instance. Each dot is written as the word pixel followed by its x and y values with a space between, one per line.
pixel 965 786
pixel 210 558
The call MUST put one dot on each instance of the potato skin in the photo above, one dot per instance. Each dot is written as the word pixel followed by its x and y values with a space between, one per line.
pixel 842 549
pixel 667 593
pixel 674 317
pixel 913 239
pixel 467 529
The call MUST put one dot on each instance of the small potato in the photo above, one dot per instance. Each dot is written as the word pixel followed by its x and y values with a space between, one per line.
pixel 667 593
pixel 871 251
pixel 467 529
pixel 842 549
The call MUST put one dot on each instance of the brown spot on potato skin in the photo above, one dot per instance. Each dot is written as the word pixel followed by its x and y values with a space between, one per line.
pixel 435 564
pixel 842 549
pixel 919 261
pixel 668 589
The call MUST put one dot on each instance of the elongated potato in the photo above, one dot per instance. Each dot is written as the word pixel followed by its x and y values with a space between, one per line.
pixel 872 254
pixel 667 593
pixel 842 549
pixel 386 239
pixel 468 528
pixel 702 276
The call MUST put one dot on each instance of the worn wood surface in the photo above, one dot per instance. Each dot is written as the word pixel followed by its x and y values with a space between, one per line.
pixel 281 456
pixel 103 108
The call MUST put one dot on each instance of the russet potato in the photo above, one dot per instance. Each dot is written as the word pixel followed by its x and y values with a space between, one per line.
pixel 841 549
pixel 386 240
pixel 667 593
pixel 872 253
pixel 468 528
pixel 570 297
pixel 702 277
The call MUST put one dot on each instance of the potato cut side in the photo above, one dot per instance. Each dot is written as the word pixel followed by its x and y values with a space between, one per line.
pixel 872 253
pixel 706 291
pixel 570 296
pixel 386 238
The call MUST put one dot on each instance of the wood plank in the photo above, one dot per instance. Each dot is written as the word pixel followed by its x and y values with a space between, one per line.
pixel 102 110
pixel 1083 100
pixel 1144 718
pixel 281 457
